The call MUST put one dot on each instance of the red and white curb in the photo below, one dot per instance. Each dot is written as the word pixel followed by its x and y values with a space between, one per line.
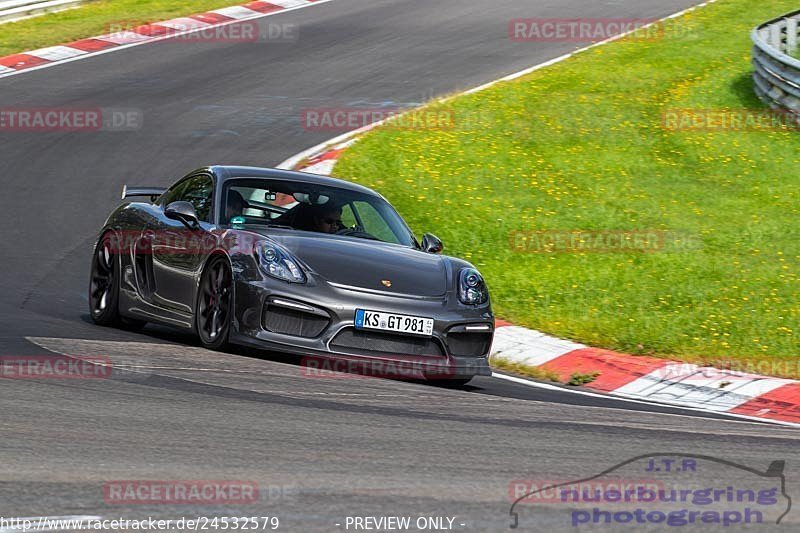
pixel 652 379
pixel 649 379
pixel 84 48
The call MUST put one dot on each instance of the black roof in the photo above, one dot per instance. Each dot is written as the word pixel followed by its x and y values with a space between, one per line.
pixel 226 172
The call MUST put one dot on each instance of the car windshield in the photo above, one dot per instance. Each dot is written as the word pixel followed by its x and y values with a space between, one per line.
pixel 303 206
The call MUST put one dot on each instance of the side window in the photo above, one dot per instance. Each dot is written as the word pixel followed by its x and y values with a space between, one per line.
pixel 172 193
pixel 197 191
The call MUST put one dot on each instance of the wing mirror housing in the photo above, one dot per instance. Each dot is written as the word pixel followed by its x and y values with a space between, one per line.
pixel 183 212
pixel 432 244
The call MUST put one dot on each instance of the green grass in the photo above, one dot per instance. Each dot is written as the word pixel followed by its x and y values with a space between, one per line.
pixel 580 146
pixel 94 18
pixel 577 379
pixel 519 369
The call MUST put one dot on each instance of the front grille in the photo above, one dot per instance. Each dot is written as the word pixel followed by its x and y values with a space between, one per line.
pixel 377 343
pixel 293 322
pixel 469 344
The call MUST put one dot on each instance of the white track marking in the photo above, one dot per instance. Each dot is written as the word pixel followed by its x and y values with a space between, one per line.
pixel 56 53
pixel 323 167
pixel 236 12
pixel 184 24
pixel 526 346
pixel 288 3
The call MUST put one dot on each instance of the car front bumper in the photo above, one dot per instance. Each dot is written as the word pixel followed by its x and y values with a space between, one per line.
pixel 316 321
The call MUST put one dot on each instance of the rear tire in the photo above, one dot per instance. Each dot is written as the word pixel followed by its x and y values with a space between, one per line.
pixel 104 283
pixel 213 310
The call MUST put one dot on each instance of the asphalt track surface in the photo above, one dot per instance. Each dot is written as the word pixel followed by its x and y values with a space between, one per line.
pixel 320 449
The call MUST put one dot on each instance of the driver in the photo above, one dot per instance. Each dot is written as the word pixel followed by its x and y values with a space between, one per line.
pixel 328 219
pixel 235 205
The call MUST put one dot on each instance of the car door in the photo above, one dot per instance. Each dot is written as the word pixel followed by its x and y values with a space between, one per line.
pixel 179 252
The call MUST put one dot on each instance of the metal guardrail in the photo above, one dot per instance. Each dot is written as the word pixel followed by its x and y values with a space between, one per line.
pixel 777 73
pixel 11 10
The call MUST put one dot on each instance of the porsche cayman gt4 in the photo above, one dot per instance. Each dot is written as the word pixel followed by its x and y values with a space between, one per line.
pixel 291 262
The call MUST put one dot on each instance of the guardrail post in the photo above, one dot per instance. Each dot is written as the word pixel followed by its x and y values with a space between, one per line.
pixel 791 35
pixel 776 36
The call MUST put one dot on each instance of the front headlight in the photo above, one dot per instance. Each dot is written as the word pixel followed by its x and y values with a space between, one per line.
pixel 276 262
pixel 471 287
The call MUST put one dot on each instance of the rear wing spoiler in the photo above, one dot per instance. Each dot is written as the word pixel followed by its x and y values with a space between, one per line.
pixel 152 192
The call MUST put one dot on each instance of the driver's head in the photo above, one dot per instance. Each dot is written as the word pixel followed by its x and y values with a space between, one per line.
pixel 234 205
pixel 328 219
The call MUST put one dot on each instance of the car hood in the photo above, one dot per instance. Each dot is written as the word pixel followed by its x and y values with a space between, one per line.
pixel 368 264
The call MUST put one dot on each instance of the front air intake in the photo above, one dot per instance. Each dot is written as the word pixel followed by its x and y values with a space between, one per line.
pixel 295 322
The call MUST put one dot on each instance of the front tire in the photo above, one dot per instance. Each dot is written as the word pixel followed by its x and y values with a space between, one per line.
pixel 213 309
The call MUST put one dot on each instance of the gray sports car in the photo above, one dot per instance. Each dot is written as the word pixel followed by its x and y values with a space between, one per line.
pixel 292 262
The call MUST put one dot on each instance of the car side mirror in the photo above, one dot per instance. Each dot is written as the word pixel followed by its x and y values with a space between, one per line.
pixel 183 212
pixel 432 244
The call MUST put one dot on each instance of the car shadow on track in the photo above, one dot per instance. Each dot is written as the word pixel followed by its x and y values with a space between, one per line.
pixel 164 334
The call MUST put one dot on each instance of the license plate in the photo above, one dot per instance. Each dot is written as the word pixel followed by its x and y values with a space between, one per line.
pixel 414 325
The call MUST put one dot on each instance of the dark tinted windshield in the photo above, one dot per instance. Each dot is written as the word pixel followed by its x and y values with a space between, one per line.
pixel 310 207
